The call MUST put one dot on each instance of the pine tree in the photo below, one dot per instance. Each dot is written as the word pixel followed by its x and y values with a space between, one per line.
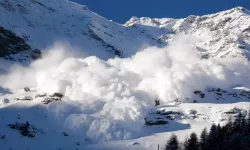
pixel 235 142
pixel 228 130
pixel 203 139
pixel 192 143
pixel 212 138
pixel 233 136
pixel 220 136
pixel 173 143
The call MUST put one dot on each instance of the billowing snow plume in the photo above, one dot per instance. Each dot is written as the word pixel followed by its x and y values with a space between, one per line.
pixel 108 100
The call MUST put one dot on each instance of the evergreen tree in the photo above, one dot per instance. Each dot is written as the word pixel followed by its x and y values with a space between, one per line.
pixel 235 142
pixel 220 137
pixel 173 143
pixel 192 143
pixel 233 136
pixel 212 138
pixel 228 131
pixel 203 139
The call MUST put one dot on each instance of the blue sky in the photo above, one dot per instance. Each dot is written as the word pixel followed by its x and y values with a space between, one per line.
pixel 122 10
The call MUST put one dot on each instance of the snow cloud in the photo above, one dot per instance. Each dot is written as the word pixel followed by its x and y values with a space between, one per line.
pixel 108 100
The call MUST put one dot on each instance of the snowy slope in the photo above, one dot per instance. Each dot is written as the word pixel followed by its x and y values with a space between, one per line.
pixel 222 34
pixel 44 23
pixel 67 101
pixel 14 48
pixel 81 103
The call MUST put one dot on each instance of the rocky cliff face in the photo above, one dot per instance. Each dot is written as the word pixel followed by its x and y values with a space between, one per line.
pixel 12 46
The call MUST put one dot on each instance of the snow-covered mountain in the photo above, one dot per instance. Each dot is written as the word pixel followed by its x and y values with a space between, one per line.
pixel 221 34
pixel 195 69
pixel 42 23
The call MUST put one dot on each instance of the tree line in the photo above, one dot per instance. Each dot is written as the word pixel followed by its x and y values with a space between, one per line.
pixel 235 135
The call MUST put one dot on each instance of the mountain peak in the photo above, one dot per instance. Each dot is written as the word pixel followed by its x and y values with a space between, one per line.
pixel 68 21
pixel 74 102
pixel 241 9
pixel 227 31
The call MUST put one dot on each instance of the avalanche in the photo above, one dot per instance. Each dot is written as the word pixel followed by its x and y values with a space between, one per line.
pixel 81 96
pixel 108 100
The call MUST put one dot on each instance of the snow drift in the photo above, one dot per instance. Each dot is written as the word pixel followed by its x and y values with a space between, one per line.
pixel 108 100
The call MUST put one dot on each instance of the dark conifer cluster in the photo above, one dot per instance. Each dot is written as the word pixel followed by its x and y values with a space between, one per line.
pixel 235 135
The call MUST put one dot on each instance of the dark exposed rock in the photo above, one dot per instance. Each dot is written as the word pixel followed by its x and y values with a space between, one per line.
pixel 57 95
pixel 234 94
pixel 3 137
pixel 65 134
pixel 195 101
pixel 218 90
pixel 200 93
pixel 136 143
pixel 11 44
pixel 233 111
pixel 170 113
pixel 48 100
pixel 155 122
pixel 7 5
pixel 220 94
pixel 24 128
pixel 162 117
pixel 197 92
pixel 157 102
pixel 36 54
pixel 192 113
pixel 26 89
pixel 42 5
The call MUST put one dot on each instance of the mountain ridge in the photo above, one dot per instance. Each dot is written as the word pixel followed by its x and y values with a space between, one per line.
pixel 218 26
pixel 95 35
pixel 171 76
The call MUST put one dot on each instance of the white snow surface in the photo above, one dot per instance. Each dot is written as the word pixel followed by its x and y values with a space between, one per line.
pixel 105 99
pixel 45 22
pixel 108 100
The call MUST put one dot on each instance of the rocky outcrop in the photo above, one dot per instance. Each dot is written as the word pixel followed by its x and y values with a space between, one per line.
pixel 12 46
pixel 162 117
pixel 25 129
pixel 48 98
